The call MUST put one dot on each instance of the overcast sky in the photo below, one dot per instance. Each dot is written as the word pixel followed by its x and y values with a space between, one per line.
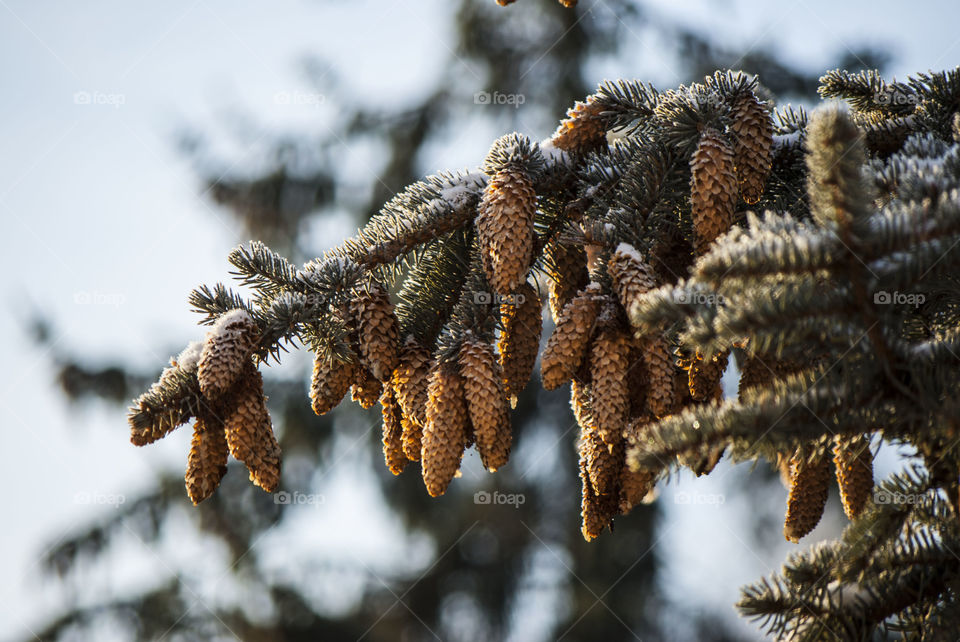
pixel 105 228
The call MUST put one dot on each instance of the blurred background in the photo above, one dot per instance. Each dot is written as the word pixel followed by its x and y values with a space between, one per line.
pixel 141 142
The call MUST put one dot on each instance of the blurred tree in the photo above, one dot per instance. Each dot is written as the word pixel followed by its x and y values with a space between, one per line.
pixel 495 572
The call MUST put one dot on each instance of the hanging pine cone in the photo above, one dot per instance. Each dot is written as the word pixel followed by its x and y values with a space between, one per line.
pixel 505 228
pixel 519 342
pixel 330 382
pixel 567 346
pixel 705 376
pixel 392 430
pixel 638 382
pixel 713 189
pixel 809 487
pixel 608 369
pixel 207 462
pixel 584 129
pixel 444 434
pixel 854 468
pixel 486 402
pixel 603 463
pixel 366 388
pixel 635 485
pixel 752 130
pixel 596 511
pixel 227 348
pixel 410 385
pixel 754 371
pixel 661 373
pixel 631 275
pixel 580 404
pixel 681 385
pixel 377 330
pixel 249 431
pixel 567 269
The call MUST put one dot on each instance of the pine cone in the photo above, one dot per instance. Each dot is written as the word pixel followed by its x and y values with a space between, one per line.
pixel 377 330
pixel 520 340
pixel 608 369
pixel 366 388
pixel 596 511
pixel 567 346
pixel 410 381
pixel 505 229
pixel 249 430
pixel 854 467
pixel 567 269
pixel 486 402
pixel 580 404
pixel 635 485
pixel 661 373
pixel 392 430
pixel 584 129
pixel 755 371
pixel 752 130
pixel 227 348
pixel 638 382
pixel 207 462
pixel 713 189
pixel 444 434
pixel 705 377
pixel 603 463
pixel 331 380
pixel 631 275
pixel 810 483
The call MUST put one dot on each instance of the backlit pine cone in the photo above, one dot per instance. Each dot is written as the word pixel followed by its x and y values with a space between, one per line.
pixel 583 130
pixel 809 487
pixel 752 131
pixel 853 460
pixel 705 376
pixel 580 404
pixel 609 354
pixel 567 269
pixel 661 373
pixel 713 189
pixel 444 434
pixel 207 462
pixel 330 382
pixel 486 402
pixel 631 275
pixel 377 330
pixel 505 228
pixel 635 485
pixel 249 430
pixel 567 346
pixel 392 430
pixel 603 463
pixel 227 348
pixel 366 388
pixel 410 385
pixel 519 342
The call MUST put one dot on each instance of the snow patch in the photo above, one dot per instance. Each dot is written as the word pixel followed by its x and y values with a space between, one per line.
pixel 630 251
pixel 187 360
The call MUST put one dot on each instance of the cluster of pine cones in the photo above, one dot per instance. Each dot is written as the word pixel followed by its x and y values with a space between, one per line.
pixel 231 415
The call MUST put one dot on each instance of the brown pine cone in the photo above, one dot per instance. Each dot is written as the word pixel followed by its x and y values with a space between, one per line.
pixel 604 464
pixel 609 354
pixel 330 382
pixel 752 131
pixel 635 485
pixel 658 358
pixel 505 229
pixel 366 388
pixel 410 381
pixel 580 404
pixel 713 189
pixel 486 402
pixel 584 129
pixel 519 342
pixel 567 269
pixel 631 275
pixel 377 330
pixel 567 346
pixel 596 511
pixel 227 348
pixel 249 430
pixel 638 382
pixel 207 462
pixel 705 376
pixel 444 434
pixel 809 487
pixel 392 430
pixel 854 467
